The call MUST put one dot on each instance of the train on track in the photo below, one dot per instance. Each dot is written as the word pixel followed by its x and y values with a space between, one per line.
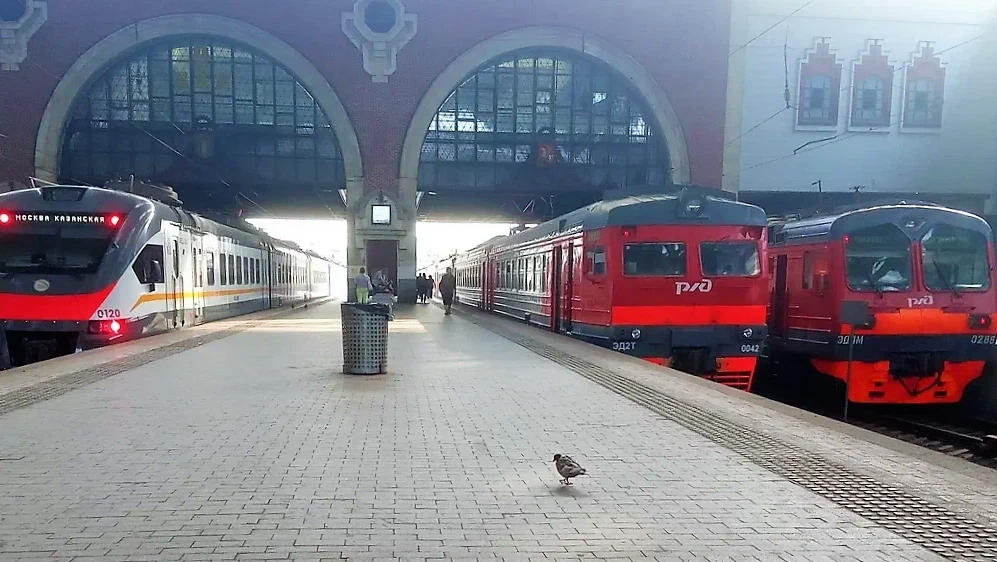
pixel 923 277
pixel 676 278
pixel 83 267
pixel 694 280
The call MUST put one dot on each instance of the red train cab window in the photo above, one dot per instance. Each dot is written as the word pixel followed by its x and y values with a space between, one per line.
pixel 955 259
pixel 655 259
pixel 730 259
pixel 878 258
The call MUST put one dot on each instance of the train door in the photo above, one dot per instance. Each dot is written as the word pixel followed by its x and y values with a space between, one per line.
pixel 780 303
pixel 569 286
pixel 267 279
pixel 174 290
pixel 197 295
pixel 556 290
pixel 485 284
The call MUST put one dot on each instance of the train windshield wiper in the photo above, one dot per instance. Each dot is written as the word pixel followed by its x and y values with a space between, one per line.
pixel 873 284
pixel 945 281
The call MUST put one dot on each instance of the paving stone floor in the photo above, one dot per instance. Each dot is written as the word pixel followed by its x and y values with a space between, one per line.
pixel 255 447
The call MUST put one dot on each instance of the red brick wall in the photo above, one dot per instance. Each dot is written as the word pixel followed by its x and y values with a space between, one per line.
pixel 682 43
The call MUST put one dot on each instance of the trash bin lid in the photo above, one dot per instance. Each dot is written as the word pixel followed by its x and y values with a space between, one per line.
pixel 369 308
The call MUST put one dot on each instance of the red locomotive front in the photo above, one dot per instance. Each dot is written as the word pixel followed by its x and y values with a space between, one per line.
pixel 676 278
pixel 924 272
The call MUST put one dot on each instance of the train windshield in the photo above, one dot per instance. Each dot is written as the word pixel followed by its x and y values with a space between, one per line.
pixel 730 259
pixel 955 259
pixel 63 249
pixel 654 259
pixel 878 258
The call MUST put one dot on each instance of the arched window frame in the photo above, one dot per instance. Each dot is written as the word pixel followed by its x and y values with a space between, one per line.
pixel 924 92
pixel 294 142
pixel 872 85
pixel 819 65
pixel 521 95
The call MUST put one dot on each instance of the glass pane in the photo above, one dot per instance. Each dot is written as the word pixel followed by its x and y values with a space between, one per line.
pixel 730 259
pixel 955 259
pixel 654 259
pixel 878 258
pixel 240 99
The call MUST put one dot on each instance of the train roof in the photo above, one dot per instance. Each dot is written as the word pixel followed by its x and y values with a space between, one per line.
pixel 680 205
pixel 232 227
pixel 910 217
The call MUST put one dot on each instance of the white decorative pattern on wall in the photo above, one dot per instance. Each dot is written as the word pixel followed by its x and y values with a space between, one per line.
pixel 16 28
pixel 379 28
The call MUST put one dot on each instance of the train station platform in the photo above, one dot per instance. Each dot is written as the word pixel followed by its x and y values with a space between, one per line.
pixel 244 441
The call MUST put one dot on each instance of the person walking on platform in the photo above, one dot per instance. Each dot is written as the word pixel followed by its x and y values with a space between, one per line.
pixel 364 286
pixel 420 288
pixel 448 286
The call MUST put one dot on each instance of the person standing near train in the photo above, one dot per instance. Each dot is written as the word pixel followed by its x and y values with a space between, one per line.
pixel 448 286
pixel 364 286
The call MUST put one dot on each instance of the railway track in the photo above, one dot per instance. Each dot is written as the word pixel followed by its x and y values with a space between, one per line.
pixel 966 438
pixel 937 428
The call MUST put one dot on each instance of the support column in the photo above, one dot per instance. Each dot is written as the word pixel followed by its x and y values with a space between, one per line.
pixel 364 235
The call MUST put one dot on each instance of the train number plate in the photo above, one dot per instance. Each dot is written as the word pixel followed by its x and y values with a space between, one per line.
pixel 624 345
pixel 751 348
pixel 108 313
pixel 985 339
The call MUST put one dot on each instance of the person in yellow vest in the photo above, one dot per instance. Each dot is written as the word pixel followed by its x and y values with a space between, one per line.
pixel 363 286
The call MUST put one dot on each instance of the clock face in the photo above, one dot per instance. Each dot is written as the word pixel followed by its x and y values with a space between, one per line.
pixel 380 214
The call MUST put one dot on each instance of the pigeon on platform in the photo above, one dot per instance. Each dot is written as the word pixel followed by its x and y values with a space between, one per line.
pixel 567 468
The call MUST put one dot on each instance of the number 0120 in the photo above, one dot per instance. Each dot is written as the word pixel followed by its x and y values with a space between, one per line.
pixel 108 313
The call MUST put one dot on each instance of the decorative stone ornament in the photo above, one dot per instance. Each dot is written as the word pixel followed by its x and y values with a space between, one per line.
pixel 379 28
pixel 19 20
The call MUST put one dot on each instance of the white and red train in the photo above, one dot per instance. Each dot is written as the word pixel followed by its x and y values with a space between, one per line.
pixel 83 267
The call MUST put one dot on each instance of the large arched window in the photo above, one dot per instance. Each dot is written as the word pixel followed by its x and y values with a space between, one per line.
pixel 542 109
pixel 195 112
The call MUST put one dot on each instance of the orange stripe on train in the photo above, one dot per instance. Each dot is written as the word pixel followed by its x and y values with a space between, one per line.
pixel 928 321
pixel 156 297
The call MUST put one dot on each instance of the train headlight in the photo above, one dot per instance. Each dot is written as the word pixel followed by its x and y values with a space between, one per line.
pixel 115 326
pixel 114 220
pixel 4 218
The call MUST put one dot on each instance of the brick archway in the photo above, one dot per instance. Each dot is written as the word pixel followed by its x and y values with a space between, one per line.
pixel 48 145
pixel 657 101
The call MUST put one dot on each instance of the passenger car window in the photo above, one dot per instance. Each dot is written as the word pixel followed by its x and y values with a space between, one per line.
pixel 729 259
pixel 148 267
pixel 211 268
pixel 224 268
pixel 878 258
pixel 955 259
pixel 598 260
pixel 654 259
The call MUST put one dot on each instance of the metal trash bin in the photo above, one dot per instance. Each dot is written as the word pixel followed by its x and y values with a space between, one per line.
pixel 365 338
